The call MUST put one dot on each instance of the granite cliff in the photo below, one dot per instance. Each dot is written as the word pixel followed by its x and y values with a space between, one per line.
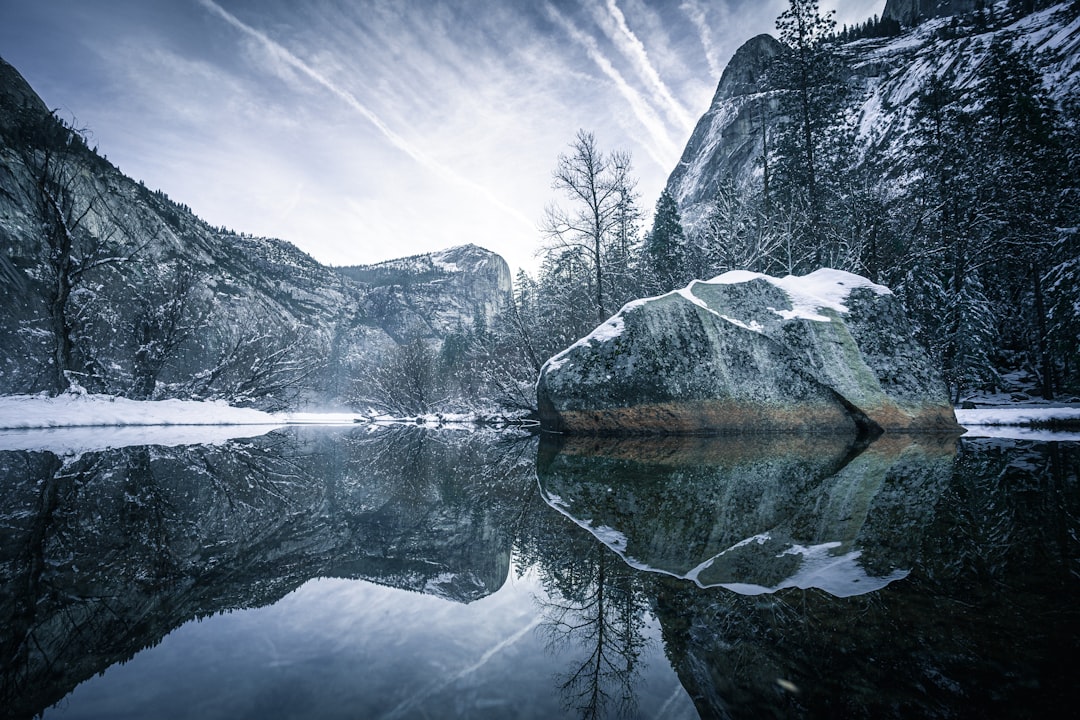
pixel 940 39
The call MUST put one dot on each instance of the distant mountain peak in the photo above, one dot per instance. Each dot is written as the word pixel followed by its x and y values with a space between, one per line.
pixel 743 73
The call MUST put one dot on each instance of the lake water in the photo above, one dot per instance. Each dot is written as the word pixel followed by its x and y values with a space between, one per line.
pixel 409 573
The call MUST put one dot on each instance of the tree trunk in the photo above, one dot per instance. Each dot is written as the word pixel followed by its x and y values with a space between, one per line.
pixel 61 328
pixel 1046 364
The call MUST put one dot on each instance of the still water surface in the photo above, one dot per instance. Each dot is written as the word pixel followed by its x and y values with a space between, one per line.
pixel 410 573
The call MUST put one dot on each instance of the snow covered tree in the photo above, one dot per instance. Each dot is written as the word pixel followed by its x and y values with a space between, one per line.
pixel 260 364
pixel 404 382
pixel 967 339
pixel 168 315
pixel 598 185
pixel 668 255
pixel 1062 276
pixel 738 234
pixel 1022 162
pixel 564 302
pixel 809 80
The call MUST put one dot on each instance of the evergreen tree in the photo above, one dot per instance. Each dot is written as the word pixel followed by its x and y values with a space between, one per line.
pixel 1022 162
pixel 967 339
pixel 809 79
pixel 667 252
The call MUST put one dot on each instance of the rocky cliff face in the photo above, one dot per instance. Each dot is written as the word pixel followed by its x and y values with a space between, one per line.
pixel 431 295
pixel 248 316
pixel 726 143
pixel 748 353
pixel 885 76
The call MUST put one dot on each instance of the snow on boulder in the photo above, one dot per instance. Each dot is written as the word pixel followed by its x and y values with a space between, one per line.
pixel 746 352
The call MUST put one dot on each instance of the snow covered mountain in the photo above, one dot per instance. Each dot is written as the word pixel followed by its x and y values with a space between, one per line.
pixel 155 302
pixel 434 294
pixel 886 74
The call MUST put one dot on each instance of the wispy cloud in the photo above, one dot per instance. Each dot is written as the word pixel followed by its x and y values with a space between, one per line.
pixel 660 145
pixel 286 58
pixel 696 13
pixel 634 50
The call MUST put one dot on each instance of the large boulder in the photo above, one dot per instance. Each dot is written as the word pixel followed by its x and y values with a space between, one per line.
pixel 746 352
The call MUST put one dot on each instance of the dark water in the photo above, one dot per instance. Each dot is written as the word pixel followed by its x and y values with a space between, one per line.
pixel 344 573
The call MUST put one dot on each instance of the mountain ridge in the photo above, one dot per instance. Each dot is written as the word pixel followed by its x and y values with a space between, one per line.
pixel 254 320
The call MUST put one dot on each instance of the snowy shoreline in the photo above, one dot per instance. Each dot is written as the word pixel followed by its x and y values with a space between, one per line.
pixel 1022 422
pixel 23 415
pixel 1016 415
pixel 21 412
pixel 74 423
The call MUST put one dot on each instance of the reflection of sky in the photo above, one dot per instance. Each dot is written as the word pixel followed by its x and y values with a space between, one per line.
pixel 367 130
pixel 345 648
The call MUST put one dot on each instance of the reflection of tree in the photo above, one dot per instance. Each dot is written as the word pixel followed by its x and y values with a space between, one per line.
pixel 595 611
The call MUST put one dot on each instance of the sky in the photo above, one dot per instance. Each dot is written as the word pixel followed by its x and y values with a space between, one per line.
pixel 364 130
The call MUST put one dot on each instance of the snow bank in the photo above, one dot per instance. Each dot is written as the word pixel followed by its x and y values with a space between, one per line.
pixel 76 410
pixel 1007 415
pixel 1014 422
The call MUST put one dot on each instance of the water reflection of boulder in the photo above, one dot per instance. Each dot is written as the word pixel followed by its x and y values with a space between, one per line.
pixel 103 554
pixel 752 514
pixel 985 625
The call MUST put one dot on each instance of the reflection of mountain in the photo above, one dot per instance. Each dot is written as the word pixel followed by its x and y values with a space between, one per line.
pixel 752 514
pixel 103 555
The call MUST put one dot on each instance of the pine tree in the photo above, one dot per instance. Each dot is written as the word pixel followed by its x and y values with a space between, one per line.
pixel 1022 163
pixel 668 254
pixel 810 80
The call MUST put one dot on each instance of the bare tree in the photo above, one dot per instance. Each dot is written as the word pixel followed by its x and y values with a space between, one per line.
pixel 80 232
pixel 403 383
pixel 167 317
pixel 267 367
pixel 598 186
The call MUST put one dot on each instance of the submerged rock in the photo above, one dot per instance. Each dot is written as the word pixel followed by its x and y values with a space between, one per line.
pixel 746 352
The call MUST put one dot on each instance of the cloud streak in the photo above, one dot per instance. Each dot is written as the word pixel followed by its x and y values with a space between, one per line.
pixel 634 50
pixel 661 148
pixel 285 57
pixel 696 13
